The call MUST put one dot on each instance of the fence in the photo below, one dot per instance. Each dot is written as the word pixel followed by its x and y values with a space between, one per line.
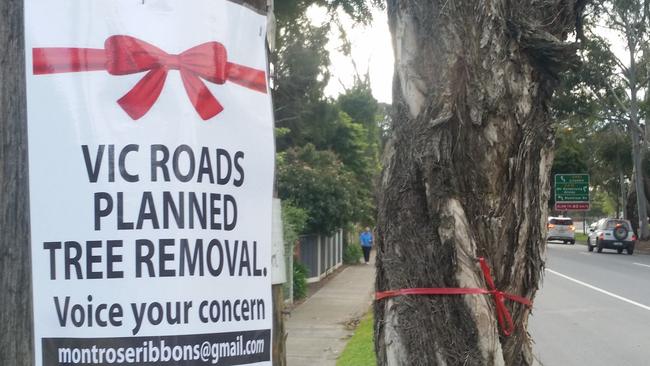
pixel 321 254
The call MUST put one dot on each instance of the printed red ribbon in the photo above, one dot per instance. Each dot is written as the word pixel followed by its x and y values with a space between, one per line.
pixel 503 315
pixel 123 55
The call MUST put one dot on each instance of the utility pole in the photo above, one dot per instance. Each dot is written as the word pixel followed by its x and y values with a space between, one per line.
pixel 278 356
pixel 16 336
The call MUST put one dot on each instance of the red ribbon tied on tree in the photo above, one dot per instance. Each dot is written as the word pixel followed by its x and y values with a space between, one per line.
pixel 503 315
pixel 124 55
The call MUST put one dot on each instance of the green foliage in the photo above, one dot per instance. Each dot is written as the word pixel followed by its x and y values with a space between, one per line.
pixel 587 97
pixel 594 102
pixel 570 158
pixel 360 105
pixel 602 204
pixel 570 154
pixel 317 182
pixel 300 75
pixel 364 117
pixel 358 10
pixel 300 273
pixel 328 150
pixel 360 349
pixel 294 220
pixel 581 238
pixel 352 254
pixel 611 162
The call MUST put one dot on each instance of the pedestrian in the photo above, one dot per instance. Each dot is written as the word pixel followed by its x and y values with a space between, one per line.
pixel 366 243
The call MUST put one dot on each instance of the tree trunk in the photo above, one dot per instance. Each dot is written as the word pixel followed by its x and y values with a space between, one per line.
pixel 15 270
pixel 466 173
pixel 638 145
pixel 631 207
pixel 641 203
pixel 623 197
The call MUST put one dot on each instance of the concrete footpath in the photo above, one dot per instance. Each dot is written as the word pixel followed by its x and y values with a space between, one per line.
pixel 316 329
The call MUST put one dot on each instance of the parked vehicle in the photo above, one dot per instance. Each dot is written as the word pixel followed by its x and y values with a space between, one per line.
pixel 561 228
pixel 611 234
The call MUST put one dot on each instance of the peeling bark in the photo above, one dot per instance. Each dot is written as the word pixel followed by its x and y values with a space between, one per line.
pixel 466 173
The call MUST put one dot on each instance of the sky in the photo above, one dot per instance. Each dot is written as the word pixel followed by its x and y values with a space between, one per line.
pixel 371 50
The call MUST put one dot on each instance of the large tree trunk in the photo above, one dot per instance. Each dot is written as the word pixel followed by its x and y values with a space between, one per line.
pixel 15 271
pixel 466 173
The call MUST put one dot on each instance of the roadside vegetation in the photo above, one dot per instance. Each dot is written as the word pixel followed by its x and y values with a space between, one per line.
pixel 352 254
pixel 327 148
pixel 581 238
pixel 360 349
pixel 601 107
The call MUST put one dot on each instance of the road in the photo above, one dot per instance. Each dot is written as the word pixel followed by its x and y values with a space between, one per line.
pixel 593 309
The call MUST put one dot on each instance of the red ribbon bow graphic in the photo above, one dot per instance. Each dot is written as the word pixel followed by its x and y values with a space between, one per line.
pixel 123 55
pixel 503 315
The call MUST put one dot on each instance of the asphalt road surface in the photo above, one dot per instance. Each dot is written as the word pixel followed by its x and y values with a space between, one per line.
pixel 593 309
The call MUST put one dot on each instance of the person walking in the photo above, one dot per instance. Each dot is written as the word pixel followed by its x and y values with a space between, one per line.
pixel 366 243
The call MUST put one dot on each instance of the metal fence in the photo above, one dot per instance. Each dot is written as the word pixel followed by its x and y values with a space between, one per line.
pixel 321 254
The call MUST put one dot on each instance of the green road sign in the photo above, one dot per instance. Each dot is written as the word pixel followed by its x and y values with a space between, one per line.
pixel 572 188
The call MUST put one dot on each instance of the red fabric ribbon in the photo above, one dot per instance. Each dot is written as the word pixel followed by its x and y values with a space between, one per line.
pixel 123 55
pixel 503 315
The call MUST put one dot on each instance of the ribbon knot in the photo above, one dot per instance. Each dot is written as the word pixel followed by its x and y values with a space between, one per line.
pixel 124 55
pixel 504 317
pixel 173 62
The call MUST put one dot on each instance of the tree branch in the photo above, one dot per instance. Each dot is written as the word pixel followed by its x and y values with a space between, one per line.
pixel 552 55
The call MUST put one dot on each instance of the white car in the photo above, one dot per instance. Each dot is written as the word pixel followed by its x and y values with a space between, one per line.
pixel 561 228
pixel 611 234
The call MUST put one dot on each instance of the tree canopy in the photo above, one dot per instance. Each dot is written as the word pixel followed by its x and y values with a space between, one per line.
pixel 600 101
pixel 328 149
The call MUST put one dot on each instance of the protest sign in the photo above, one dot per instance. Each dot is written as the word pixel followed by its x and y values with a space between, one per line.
pixel 151 159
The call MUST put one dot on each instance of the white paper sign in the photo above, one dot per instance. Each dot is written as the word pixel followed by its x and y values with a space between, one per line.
pixel 151 165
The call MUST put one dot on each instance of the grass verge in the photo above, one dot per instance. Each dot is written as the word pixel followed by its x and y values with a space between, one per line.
pixel 581 238
pixel 360 350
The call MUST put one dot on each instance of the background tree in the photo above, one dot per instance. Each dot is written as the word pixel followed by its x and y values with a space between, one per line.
pixel 612 165
pixel 316 181
pixel 328 148
pixel 571 157
pixel 630 19
pixel 589 103
pixel 466 173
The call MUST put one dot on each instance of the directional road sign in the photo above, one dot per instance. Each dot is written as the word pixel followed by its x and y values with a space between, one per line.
pixel 571 192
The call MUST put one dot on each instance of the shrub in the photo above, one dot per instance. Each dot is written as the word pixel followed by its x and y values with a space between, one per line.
pixel 352 254
pixel 317 182
pixel 300 273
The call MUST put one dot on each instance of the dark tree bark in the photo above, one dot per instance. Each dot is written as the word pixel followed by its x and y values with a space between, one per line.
pixel 15 270
pixel 632 211
pixel 466 173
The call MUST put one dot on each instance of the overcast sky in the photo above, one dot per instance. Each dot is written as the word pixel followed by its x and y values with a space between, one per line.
pixel 371 50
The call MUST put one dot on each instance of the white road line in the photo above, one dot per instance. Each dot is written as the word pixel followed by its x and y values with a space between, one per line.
pixel 641 264
pixel 599 290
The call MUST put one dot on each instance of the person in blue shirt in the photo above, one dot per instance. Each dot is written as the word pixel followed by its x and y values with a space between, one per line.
pixel 366 243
